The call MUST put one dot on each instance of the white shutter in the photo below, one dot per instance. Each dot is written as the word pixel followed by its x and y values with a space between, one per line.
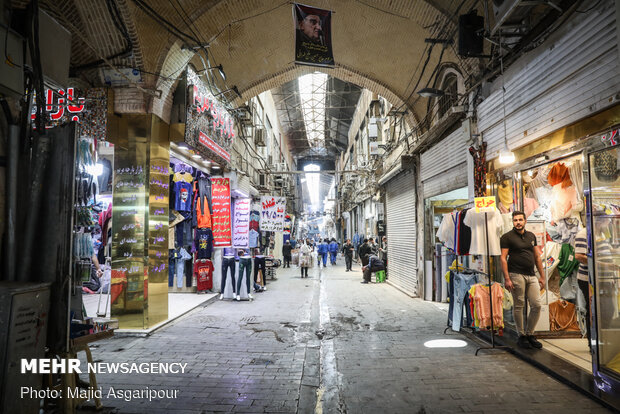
pixel 441 173
pixel 401 232
pixel 571 76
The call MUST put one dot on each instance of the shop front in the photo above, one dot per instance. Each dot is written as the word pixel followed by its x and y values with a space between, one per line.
pixel 445 191
pixel 568 186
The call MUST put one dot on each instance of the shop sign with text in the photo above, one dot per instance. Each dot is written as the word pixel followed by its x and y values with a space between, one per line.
pixel 209 143
pixel 220 200
pixel 273 210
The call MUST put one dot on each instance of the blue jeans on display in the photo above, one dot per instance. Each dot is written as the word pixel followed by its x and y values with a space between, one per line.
pixel 244 264
pixel 228 262
pixel 171 267
pixel 259 264
pixel 462 283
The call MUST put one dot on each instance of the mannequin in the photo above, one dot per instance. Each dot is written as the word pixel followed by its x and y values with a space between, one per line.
pixel 259 264
pixel 245 264
pixel 228 261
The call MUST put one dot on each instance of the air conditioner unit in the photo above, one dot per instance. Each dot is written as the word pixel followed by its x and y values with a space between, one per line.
pixel 244 113
pixel 281 166
pixel 259 137
pixel 262 180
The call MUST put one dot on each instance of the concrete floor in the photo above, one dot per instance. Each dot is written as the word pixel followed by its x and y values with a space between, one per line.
pixel 328 344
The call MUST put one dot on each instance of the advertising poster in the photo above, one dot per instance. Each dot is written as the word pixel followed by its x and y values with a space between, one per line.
pixel 220 196
pixel 272 213
pixel 313 37
pixel 241 222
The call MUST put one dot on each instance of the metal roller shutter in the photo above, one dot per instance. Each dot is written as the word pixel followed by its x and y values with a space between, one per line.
pixel 455 177
pixel 401 232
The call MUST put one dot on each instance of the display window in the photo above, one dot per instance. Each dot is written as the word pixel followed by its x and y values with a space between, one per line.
pixel 605 258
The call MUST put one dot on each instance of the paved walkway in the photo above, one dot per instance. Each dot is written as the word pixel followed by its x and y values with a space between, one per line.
pixel 328 344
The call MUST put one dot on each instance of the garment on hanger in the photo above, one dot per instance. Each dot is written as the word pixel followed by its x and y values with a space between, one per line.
pixel 174 219
pixel 463 243
pixel 559 174
pixel 204 243
pixel 476 221
pixel 253 238
pixel 482 305
pixel 480 169
pixel 461 283
pixel 203 270
pixel 568 263
pixel 182 195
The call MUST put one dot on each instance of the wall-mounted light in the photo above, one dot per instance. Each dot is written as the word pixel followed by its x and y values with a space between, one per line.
pixel 431 93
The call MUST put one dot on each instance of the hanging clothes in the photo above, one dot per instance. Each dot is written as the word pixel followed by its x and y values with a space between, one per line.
pixel 482 305
pixel 203 270
pixel 479 234
pixel 463 234
pixel 568 263
pixel 480 169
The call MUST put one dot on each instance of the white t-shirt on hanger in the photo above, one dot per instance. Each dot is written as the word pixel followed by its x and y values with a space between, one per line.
pixel 478 236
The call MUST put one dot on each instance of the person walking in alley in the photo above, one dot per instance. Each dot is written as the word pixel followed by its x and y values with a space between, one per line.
pixel 347 251
pixel 374 265
pixel 363 251
pixel 333 251
pixel 520 253
pixel 305 258
pixel 323 250
pixel 286 253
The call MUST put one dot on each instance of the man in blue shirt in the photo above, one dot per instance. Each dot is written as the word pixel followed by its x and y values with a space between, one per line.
pixel 333 251
pixel 323 249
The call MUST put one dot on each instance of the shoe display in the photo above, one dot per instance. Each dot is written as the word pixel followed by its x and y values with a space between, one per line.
pixel 523 342
pixel 534 342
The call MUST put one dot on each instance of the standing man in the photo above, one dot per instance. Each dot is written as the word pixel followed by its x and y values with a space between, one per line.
pixel 348 250
pixel 383 252
pixel 374 249
pixel 520 253
pixel 286 252
pixel 363 251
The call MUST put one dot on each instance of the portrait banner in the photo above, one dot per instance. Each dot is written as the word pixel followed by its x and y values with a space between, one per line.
pixel 313 36
pixel 272 213
pixel 241 222
pixel 220 200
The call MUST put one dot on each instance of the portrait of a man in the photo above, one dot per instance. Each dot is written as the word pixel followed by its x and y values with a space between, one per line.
pixel 312 36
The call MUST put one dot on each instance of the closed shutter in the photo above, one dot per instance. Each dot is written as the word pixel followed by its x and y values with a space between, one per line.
pixel 401 232
pixel 452 179
pixel 571 76
pixel 439 173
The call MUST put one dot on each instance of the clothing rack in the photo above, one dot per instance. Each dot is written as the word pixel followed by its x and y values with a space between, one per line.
pixel 490 281
pixel 493 346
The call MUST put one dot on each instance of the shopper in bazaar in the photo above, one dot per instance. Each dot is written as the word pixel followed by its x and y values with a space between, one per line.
pixel 323 250
pixel 286 253
pixel 305 258
pixel 333 251
pixel 348 249
pixel 520 254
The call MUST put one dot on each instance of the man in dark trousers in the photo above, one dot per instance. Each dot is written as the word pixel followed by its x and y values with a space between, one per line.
pixel 520 253
pixel 286 252
pixel 363 251
pixel 374 265
pixel 347 251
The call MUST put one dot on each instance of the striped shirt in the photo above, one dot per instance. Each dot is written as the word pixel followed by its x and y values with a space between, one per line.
pixel 581 247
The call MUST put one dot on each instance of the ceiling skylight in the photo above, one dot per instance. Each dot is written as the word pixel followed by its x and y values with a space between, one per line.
pixel 312 91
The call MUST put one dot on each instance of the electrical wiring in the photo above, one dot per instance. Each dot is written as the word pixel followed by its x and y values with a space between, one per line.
pixel 170 27
pixel 120 26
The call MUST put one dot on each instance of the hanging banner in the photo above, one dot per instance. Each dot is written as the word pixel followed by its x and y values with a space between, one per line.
pixel 220 197
pixel 241 222
pixel 288 223
pixel 313 36
pixel 272 213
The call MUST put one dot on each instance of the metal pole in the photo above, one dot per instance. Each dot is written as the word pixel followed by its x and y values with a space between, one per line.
pixel 11 202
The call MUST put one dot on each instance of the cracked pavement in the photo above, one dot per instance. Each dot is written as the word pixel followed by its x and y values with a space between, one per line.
pixel 328 344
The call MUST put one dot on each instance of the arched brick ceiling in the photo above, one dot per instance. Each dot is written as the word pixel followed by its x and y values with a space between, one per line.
pixel 377 44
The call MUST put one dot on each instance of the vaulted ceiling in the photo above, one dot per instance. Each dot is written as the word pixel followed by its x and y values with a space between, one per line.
pixel 379 44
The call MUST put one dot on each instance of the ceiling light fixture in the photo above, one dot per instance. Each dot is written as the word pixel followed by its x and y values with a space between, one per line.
pixel 234 89
pixel 431 93
pixel 196 156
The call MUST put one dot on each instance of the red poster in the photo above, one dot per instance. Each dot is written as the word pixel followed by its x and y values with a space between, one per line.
pixel 220 197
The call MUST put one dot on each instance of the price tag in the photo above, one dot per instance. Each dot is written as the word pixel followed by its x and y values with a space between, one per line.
pixel 484 204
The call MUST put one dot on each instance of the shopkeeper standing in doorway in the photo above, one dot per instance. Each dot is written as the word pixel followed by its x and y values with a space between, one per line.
pixel 520 253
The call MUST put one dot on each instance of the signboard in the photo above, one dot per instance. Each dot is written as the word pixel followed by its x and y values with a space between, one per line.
pixel 485 204
pixel 313 38
pixel 241 222
pixel 220 201
pixel 272 213
pixel 208 142
pixel 209 128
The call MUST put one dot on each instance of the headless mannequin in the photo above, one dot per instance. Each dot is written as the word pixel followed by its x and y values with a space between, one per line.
pixel 228 261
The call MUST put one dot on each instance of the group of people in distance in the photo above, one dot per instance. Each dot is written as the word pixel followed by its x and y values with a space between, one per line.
pixel 372 256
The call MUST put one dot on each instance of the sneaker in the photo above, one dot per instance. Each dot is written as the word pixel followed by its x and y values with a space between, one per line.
pixel 523 342
pixel 238 298
pixel 535 344
pixel 249 296
pixel 221 296
pixel 264 289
